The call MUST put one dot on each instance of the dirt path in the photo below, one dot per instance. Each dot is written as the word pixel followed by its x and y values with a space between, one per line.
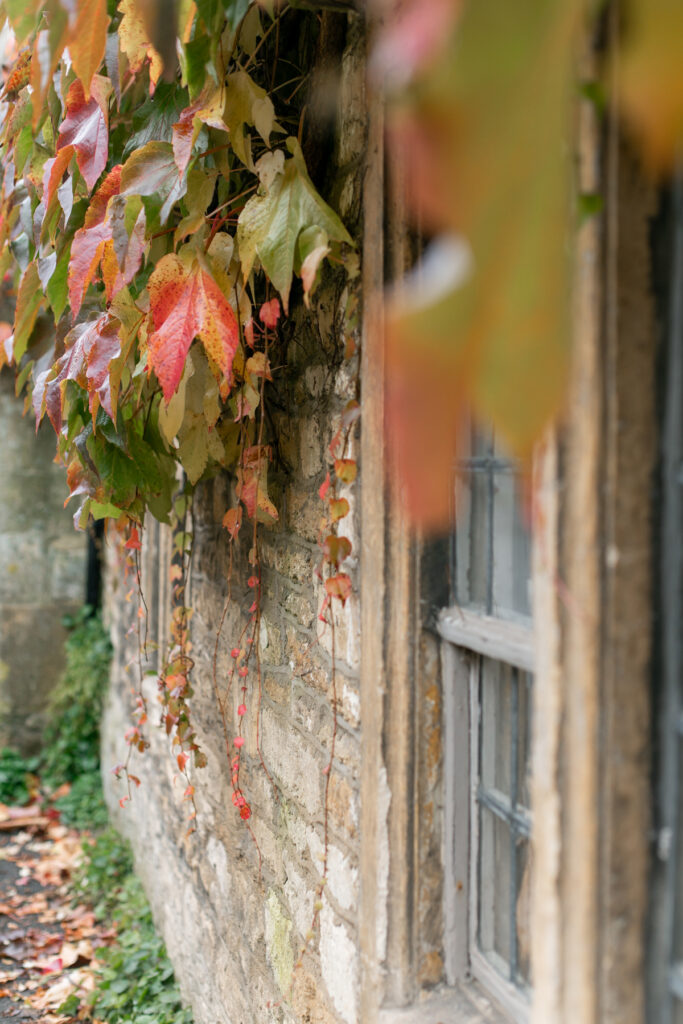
pixel 47 946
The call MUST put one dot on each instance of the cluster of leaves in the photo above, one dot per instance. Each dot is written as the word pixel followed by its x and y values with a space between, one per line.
pixel 155 205
pixel 135 982
pixel 18 781
pixel 124 217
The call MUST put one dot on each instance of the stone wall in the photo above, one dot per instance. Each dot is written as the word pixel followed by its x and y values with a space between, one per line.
pixel 42 571
pixel 235 903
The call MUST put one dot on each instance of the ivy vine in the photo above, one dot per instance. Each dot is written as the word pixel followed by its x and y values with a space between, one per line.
pixel 155 211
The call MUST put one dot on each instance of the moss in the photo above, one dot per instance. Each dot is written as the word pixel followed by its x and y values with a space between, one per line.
pixel 278 929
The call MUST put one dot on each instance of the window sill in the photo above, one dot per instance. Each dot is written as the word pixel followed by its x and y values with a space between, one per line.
pixel 494 638
pixel 464 1004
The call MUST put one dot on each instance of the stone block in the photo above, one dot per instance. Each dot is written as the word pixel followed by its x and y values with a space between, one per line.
pixel 339 963
pixel 343 806
pixel 310 447
pixel 296 767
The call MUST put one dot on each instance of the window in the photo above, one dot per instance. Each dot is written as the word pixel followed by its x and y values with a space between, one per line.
pixel 488 682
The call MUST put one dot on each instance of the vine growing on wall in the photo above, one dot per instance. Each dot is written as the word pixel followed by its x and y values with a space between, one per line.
pixel 155 212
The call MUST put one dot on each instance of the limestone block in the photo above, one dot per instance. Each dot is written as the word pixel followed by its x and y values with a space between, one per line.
pixel 296 766
pixel 339 964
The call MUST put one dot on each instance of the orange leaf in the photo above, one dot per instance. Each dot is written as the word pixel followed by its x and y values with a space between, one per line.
pixel 187 303
pixel 88 40
pixel 53 172
pixel 232 520
pixel 87 248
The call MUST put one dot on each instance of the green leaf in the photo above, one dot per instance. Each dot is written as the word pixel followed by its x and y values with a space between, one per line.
pixel 270 224
pixel 193 450
pixel 197 55
pixel 57 286
pixel 153 121
pixel 29 300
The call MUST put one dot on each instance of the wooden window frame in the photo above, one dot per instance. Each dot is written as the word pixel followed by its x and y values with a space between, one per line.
pixel 466 638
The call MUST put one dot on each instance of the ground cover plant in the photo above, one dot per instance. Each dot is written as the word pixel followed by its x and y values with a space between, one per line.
pixel 77 939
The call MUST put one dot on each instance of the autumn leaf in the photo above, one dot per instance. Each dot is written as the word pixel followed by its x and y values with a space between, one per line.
pixel 339 586
pixel 91 347
pixel 269 313
pixel 246 103
pixel 48 47
pixel 29 300
pixel 53 172
pixel 270 224
pixel 252 484
pixel 336 549
pixel 85 127
pixel 483 322
pixel 186 303
pixel 650 78
pixel 88 40
pixel 134 42
pixel 346 470
pixel 232 520
pixel 206 109
pixel 87 248
pixel 152 171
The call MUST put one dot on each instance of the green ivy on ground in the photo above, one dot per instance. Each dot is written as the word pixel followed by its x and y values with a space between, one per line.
pixel 17 776
pixel 135 984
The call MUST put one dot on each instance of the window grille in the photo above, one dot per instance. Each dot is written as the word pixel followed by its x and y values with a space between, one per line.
pixel 488 665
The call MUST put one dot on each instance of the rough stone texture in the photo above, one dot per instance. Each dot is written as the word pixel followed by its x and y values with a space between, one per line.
pixel 42 571
pixel 235 903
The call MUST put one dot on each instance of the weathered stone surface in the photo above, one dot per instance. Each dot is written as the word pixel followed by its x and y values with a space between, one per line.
pixel 238 896
pixel 42 572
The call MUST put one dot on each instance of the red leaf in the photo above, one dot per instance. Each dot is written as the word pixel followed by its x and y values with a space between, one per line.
pixel 133 542
pixel 324 487
pixel 87 250
pixel 85 127
pixel 339 586
pixel 269 313
pixel 187 303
